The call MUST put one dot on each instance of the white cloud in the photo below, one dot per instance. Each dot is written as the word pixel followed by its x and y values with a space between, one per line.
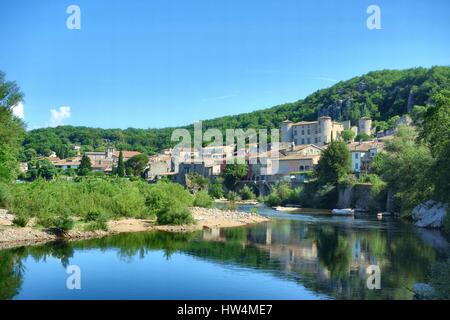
pixel 58 116
pixel 18 110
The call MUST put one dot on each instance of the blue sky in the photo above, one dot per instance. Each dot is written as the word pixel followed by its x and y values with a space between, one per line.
pixel 158 63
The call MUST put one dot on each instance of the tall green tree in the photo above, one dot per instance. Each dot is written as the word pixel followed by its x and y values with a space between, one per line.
pixel 85 166
pixel 11 129
pixel 334 164
pixel 121 166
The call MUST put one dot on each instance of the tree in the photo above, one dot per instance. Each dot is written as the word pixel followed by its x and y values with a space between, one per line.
pixel 85 166
pixel 11 129
pixel 334 164
pixel 406 168
pixel 348 135
pixel 121 166
pixel 434 131
pixel 362 137
pixel 233 173
pixel 137 164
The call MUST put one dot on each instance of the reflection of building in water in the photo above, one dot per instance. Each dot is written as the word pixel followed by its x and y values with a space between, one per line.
pixel 212 234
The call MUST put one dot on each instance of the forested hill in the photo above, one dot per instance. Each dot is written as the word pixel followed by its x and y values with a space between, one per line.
pixel 379 94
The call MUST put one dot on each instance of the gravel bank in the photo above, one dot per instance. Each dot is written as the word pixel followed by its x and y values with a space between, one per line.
pixel 11 236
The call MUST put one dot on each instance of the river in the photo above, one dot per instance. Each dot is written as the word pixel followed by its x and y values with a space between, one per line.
pixel 295 256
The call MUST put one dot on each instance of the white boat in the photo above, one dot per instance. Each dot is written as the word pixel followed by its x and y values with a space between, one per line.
pixel 343 212
pixel 286 209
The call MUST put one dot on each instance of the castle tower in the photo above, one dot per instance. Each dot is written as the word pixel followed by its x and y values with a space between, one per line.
pixel 109 152
pixel 326 129
pixel 286 131
pixel 365 126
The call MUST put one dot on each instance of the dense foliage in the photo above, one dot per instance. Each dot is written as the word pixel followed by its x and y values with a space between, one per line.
pixel 381 95
pixel 54 203
pixel 11 129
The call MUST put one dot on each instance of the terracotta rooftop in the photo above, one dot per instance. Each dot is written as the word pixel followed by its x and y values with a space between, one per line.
pixel 365 146
pixel 127 154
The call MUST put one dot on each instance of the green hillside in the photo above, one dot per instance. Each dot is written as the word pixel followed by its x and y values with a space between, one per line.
pixel 379 94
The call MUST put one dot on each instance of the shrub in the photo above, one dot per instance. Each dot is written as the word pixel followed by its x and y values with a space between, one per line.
pixel 174 215
pixel 233 196
pixel 215 188
pixel 61 223
pixel 21 221
pixel 5 195
pixel 202 199
pixel 170 203
pixel 273 199
pixel 247 193
pixel 97 220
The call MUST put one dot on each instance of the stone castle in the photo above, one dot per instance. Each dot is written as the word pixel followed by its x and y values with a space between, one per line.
pixel 320 132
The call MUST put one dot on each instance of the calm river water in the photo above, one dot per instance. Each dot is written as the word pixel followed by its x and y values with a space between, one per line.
pixel 301 256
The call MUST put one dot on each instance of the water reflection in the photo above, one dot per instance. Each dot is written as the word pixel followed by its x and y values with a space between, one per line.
pixel 323 256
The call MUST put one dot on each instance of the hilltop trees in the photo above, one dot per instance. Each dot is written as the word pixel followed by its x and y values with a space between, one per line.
pixel 11 129
pixel 382 95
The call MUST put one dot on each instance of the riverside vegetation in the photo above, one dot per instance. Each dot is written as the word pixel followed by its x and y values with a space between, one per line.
pixel 90 202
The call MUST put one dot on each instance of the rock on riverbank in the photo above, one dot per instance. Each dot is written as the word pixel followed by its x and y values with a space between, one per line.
pixel 430 214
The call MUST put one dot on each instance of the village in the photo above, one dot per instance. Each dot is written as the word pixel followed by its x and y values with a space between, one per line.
pixel 296 155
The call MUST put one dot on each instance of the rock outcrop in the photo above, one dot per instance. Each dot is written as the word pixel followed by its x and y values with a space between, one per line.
pixel 430 214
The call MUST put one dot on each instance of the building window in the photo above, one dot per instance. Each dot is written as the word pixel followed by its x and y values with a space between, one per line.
pixel 356 155
pixel 309 140
pixel 320 139
pixel 309 131
pixel 303 132
pixel 315 140
pixel 356 166
pixel 303 141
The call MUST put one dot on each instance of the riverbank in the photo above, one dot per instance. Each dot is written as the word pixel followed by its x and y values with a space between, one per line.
pixel 12 236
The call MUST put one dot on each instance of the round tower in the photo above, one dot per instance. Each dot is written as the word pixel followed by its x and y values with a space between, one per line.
pixel 286 131
pixel 326 129
pixel 365 126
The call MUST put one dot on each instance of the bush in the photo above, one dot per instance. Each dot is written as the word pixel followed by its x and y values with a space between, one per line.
pixel 21 221
pixel 5 195
pixel 203 200
pixel 215 188
pixel 174 216
pixel 233 196
pixel 97 220
pixel 247 193
pixel 61 223
pixel 170 202
pixel 283 194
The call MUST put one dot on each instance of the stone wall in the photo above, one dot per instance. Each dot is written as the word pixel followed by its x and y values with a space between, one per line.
pixel 359 198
